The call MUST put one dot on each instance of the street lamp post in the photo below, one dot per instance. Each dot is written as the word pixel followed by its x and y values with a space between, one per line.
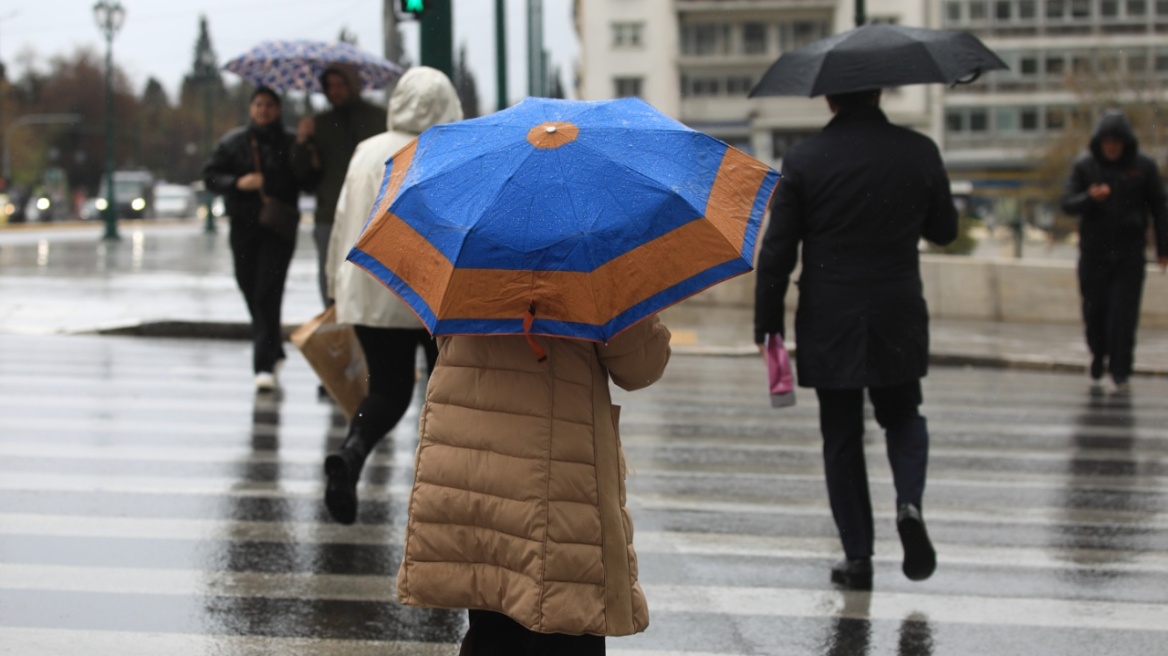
pixel 207 72
pixel 109 15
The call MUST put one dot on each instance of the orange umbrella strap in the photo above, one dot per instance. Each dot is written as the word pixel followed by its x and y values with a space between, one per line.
pixel 528 319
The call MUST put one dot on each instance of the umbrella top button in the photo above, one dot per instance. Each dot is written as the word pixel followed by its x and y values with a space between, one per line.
pixel 552 134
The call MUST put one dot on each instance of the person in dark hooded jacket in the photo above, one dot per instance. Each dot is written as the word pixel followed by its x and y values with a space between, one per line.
pixel 324 146
pixel 1113 188
pixel 858 197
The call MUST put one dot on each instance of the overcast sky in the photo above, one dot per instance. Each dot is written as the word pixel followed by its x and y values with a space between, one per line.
pixel 158 36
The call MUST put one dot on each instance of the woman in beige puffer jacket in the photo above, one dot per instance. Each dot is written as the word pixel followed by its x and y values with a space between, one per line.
pixel 518 505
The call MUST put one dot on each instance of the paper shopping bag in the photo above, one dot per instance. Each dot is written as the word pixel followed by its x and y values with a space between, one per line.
pixel 335 354
pixel 782 382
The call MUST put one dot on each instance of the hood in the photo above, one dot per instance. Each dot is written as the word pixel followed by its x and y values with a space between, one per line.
pixel 1116 125
pixel 349 72
pixel 423 97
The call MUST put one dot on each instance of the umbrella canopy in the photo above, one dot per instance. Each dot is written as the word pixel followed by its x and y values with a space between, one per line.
pixel 562 218
pixel 298 64
pixel 877 57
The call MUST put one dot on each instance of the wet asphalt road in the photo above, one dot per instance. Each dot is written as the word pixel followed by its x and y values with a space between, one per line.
pixel 151 503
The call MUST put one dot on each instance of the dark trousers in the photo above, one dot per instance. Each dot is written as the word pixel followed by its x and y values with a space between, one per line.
pixel 841 421
pixel 495 634
pixel 390 354
pixel 261 267
pixel 1111 291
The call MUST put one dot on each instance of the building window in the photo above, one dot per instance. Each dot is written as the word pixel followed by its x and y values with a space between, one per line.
pixel 754 39
pixel 1137 63
pixel 1028 119
pixel 1162 8
pixel 953 12
pixel 623 87
pixel 1028 66
pixel 1028 9
pixel 978 11
pixel 1002 10
pixel 627 35
pixel 954 121
pixel 1137 7
pixel 1055 8
pixel 1109 8
pixel 739 85
pixel 1006 119
pixel 1080 9
pixel 705 39
pixel 978 120
pixel 1055 65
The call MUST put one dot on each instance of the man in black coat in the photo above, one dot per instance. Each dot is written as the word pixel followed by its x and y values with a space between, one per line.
pixel 859 196
pixel 1113 188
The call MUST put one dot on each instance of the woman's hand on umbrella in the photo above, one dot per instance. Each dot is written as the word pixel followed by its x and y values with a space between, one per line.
pixel 250 182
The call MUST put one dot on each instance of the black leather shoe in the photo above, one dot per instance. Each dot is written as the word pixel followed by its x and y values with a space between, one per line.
pixel 853 573
pixel 343 470
pixel 920 560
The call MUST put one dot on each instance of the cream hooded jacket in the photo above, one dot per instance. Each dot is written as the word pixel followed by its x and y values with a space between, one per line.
pixel 518 503
pixel 424 97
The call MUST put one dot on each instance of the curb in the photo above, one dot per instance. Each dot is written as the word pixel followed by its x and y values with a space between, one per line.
pixel 242 331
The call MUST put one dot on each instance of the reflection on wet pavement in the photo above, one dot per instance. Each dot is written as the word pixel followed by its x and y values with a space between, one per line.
pixel 163 507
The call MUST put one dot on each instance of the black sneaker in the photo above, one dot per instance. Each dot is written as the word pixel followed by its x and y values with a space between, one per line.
pixel 853 573
pixel 1096 368
pixel 920 560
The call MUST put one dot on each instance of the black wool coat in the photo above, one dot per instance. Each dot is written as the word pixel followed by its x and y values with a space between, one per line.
pixel 858 196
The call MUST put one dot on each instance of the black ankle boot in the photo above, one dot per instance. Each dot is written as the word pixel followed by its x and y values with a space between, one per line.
pixel 343 470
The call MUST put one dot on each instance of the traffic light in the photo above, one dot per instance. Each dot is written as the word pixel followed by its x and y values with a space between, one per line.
pixel 414 7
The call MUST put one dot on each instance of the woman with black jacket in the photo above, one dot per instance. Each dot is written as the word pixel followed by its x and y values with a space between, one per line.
pixel 261 255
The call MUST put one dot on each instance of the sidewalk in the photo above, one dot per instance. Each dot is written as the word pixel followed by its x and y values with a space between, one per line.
pixel 170 279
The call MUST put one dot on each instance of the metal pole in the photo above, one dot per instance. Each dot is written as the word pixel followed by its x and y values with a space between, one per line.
pixel 437 32
pixel 209 107
pixel 500 55
pixel 111 209
pixel 535 74
pixel 861 16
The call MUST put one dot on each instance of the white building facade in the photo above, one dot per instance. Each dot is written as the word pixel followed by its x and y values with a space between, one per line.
pixel 696 60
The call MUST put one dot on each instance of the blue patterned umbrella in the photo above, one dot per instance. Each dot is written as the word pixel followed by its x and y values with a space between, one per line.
pixel 297 64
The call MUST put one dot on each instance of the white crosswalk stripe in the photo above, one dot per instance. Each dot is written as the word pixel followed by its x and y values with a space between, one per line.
pixel 140 479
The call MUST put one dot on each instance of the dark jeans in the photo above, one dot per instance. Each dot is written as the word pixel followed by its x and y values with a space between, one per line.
pixel 389 355
pixel 321 233
pixel 261 268
pixel 1111 291
pixel 495 634
pixel 841 421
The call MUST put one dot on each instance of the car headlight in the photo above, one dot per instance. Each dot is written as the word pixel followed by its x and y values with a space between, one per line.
pixel 138 204
pixel 100 204
pixel 43 204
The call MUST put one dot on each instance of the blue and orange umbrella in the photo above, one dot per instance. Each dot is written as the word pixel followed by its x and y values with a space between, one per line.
pixel 562 218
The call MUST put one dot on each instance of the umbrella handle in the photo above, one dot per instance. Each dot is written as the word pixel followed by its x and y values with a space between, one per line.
pixel 969 79
pixel 528 319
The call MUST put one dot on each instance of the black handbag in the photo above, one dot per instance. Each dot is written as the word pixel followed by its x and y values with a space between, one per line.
pixel 276 215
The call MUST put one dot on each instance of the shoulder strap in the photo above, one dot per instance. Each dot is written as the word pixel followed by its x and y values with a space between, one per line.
pixel 255 154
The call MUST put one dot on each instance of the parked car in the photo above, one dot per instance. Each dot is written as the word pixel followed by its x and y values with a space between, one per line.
pixel 133 191
pixel 173 201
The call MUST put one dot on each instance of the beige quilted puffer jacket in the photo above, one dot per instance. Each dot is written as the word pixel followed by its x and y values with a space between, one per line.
pixel 518 503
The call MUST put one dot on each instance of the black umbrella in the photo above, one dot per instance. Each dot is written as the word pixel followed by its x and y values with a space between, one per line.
pixel 876 57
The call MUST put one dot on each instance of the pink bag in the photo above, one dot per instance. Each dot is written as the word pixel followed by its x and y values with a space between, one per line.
pixel 782 383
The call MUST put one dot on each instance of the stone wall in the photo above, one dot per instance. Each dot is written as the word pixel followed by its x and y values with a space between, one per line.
pixel 957 287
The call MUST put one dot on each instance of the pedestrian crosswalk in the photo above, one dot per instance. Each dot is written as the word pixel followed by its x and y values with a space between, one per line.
pixel 151 503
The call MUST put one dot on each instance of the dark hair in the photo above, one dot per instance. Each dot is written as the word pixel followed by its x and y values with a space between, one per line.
pixel 268 91
pixel 854 99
